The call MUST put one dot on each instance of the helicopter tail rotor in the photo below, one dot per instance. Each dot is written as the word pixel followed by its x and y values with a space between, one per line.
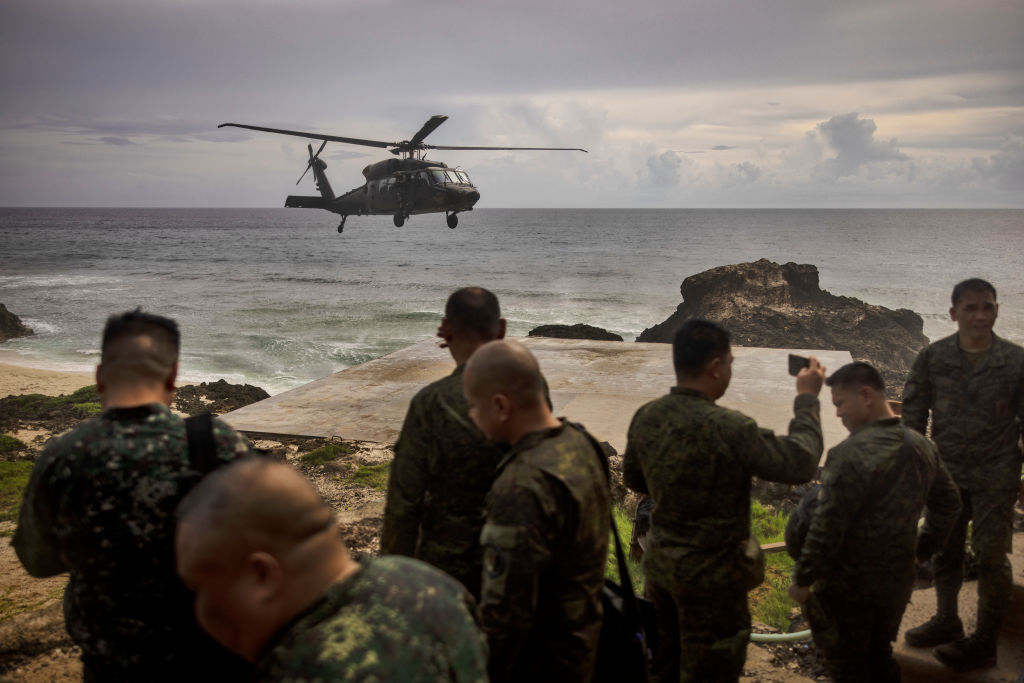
pixel 313 158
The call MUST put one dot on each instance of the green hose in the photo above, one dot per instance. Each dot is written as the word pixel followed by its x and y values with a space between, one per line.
pixel 779 637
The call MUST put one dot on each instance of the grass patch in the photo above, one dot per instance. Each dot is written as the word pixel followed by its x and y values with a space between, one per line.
pixel 374 476
pixel 624 525
pixel 87 409
pixel 13 480
pixel 770 603
pixel 319 456
pixel 8 444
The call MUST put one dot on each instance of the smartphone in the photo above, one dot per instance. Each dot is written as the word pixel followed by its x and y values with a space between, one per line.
pixel 797 363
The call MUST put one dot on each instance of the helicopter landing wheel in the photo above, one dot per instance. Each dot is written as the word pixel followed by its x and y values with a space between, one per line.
pixel 341 226
pixel 399 220
pixel 453 220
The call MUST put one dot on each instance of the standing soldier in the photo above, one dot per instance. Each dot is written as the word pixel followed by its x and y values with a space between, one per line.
pixel 859 551
pixel 443 465
pixel 100 505
pixel 695 459
pixel 972 384
pixel 546 535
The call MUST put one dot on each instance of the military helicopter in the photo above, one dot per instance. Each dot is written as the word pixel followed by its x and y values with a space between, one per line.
pixel 401 187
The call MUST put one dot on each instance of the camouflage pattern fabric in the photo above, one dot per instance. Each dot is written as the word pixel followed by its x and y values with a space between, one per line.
pixel 862 538
pixel 545 546
pixel 696 459
pixel 440 476
pixel 977 415
pixel 100 504
pixel 396 619
pixel 855 637
pixel 861 543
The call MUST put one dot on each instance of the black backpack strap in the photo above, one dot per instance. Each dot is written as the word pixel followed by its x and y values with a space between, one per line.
pixel 202 449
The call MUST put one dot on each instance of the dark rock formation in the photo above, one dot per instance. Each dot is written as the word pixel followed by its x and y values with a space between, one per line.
pixel 578 331
pixel 11 326
pixel 765 304
pixel 217 397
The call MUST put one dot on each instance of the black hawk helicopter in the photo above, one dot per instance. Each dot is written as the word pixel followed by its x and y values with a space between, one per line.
pixel 396 187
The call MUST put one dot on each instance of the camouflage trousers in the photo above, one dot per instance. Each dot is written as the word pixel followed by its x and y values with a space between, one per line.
pixel 855 637
pixel 700 640
pixel 991 515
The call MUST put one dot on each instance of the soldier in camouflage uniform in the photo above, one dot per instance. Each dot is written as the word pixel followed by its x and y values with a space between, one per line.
pixel 972 385
pixel 275 583
pixel 860 548
pixel 545 539
pixel 696 459
pixel 443 465
pixel 100 505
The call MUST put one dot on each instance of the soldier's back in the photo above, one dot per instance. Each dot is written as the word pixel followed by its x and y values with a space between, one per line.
pixel 102 498
pixel 396 619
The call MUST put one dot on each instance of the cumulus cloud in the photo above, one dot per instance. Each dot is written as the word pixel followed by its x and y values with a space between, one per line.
pixel 1004 168
pixel 722 148
pixel 662 170
pixel 853 140
pixel 744 173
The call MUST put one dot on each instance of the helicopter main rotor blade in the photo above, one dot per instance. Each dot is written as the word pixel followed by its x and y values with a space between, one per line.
pixel 315 136
pixel 556 149
pixel 312 158
pixel 429 127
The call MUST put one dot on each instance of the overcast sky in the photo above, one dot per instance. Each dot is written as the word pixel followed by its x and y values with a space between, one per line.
pixel 699 103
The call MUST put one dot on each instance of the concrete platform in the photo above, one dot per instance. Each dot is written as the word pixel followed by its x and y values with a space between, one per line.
pixel 600 384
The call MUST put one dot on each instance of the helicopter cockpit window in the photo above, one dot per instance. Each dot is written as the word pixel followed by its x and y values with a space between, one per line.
pixel 463 178
pixel 439 176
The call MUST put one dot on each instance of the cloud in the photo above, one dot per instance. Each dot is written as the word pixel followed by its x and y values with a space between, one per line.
pixel 1004 168
pixel 115 140
pixel 744 173
pixel 662 170
pixel 853 140
pixel 722 148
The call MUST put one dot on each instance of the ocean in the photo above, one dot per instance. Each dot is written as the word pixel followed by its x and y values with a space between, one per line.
pixel 277 298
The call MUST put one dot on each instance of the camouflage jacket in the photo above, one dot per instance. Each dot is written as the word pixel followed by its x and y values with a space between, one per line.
pixel 100 504
pixel 977 415
pixel 545 546
pixel 695 459
pixel 862 538
pixel 440 476
pixel 396 619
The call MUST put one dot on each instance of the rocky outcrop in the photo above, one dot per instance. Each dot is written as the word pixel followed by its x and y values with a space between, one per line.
pixel 217 397
pixel 578 331
pixel 11 325
pixel 783 306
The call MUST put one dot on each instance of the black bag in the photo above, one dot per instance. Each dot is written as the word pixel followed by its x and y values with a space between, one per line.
pixel 624 650
pixel 202 448
pixel 628 630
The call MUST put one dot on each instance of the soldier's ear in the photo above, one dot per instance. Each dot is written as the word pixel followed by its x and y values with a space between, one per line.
pixel 172 377
pixel 265 575
pixel 100 384
pixel 501 329
pixel 503 406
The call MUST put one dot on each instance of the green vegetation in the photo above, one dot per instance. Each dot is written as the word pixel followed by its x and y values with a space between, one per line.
pixel 624 525
pixel 770 603
pixel 13 480
pixel 82 403
pixel 8 444
pixel 374 476
pixel 324 454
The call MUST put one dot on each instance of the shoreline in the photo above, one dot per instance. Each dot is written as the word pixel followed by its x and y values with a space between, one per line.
pixel 20 379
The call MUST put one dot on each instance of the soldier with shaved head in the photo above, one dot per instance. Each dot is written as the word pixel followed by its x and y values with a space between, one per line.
pixel 100 505
pixel 443 465
pixel 545 537
pixel 275 583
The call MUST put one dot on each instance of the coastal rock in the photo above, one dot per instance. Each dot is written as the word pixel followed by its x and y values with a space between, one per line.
pixel 578 331
pixel 783 306
pixel 217 397
pixel 11 325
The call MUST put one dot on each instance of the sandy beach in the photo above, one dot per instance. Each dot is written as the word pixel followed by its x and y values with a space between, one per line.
pixel 17 379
